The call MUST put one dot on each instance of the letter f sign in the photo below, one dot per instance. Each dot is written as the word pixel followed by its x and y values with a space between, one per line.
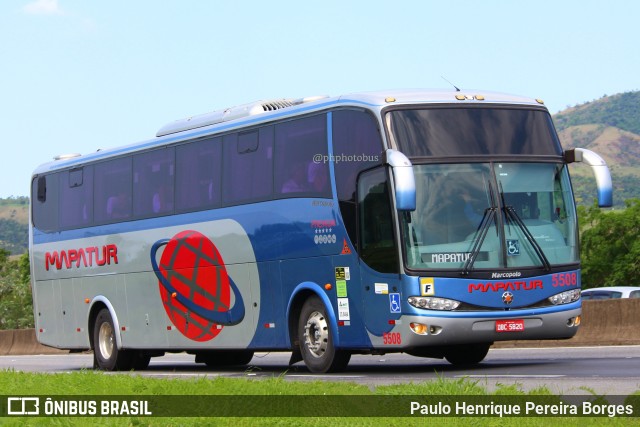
pixel 427 288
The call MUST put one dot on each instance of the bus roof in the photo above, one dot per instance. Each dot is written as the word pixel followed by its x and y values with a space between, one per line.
pixel 264 111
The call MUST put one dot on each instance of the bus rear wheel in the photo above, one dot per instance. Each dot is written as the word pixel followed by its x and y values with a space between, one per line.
pixel 106 354
pixel 469 354
pixel 316 340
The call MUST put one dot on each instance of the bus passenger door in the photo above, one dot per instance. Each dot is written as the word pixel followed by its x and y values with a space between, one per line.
pixel 379 269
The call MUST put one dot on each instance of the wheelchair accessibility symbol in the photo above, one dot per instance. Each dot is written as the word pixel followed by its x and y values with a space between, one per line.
pixel 513 247
pixel 394 303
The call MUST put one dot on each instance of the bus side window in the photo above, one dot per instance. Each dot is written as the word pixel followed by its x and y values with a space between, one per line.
pixel 377 244
pixel 44 196
pixel 301 161
pixel 153 182
pixel 112 197
pixel 248 166
pixel 76 197
pixel 198 174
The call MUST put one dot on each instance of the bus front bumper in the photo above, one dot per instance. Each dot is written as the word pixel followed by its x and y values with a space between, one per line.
pixel 423 331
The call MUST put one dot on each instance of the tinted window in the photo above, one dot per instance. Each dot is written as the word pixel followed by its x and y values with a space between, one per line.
pixel 301 160
pixel 248 166
pixel 473 131
pixel 112 199
pixel 377 245
pixel 76 197
pixel 356 146
pixel 153 182
pixel 634 294
pixel 44 202
pixel 601 295
pixel 198 174
pixel 186 178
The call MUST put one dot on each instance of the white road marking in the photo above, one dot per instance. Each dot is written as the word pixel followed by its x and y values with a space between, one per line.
pixel 509 376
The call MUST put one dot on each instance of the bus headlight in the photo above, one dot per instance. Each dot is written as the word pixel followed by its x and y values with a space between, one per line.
pixel 565 297
pixel 432 303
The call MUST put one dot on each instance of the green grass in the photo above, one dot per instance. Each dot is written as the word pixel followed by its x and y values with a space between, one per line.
pixel 306 394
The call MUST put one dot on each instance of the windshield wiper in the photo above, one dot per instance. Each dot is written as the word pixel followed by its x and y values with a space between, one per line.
pixel 481 233
pixel 487 220
pixel 512 214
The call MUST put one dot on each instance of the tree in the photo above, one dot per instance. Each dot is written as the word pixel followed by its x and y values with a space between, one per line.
pixel 611 246
pixel 16 306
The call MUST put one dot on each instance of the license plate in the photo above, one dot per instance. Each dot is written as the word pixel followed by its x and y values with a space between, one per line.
pixel 510 325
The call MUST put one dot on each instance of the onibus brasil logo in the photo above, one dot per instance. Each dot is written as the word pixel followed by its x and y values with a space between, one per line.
pixel 195 287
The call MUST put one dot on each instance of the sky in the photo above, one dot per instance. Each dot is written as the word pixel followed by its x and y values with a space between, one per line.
pixel 78 75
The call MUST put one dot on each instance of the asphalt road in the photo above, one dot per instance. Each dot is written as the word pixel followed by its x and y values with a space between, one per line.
pixel 565 371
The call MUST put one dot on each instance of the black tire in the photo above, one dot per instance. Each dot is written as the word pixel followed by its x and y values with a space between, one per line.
pixel 316 340
pixel 106 355
pixel 219 358
pixel 469 354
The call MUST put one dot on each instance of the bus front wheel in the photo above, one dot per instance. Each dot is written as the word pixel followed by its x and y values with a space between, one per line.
pixel 316 340
pixel 106 354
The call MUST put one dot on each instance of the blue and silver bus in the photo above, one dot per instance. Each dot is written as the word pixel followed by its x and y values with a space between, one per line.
pixel 433 223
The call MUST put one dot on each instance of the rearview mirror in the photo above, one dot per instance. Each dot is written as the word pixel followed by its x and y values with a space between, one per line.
pixel 600 170
pixel 404 181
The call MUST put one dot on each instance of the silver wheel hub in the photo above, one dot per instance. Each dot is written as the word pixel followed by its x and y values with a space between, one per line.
pixel 105 340
pixel 316 334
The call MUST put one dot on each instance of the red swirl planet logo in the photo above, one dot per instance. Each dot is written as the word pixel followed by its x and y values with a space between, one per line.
pixel 194 286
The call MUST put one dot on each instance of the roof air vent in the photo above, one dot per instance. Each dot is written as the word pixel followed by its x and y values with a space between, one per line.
pixel 232 113
pixel 277 105
pixel 66 156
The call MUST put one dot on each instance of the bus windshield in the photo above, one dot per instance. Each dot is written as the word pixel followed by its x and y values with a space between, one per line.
pixel 473 131
pixel 491 215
